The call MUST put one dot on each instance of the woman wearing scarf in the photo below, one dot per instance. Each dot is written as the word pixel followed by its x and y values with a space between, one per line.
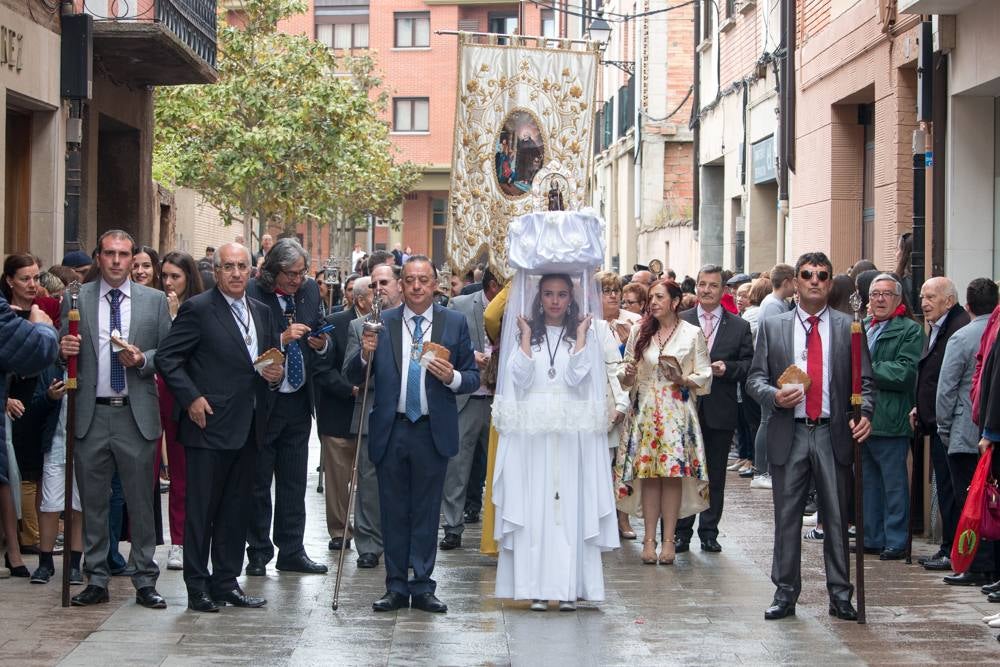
pixel 896 343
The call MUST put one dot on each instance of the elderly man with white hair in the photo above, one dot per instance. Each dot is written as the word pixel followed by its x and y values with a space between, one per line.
pixel 939 303
pixel 895 342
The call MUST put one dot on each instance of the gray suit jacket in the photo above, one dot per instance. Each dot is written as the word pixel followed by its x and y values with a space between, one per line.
pixel 953 407
pixel 473 307
pixel 353 347
pixel 148 326
pixel 776 351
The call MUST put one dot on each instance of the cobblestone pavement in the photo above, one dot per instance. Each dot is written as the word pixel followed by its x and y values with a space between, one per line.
pixel 707 609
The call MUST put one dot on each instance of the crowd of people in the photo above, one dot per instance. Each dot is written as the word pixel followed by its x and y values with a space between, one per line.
pixel 555 417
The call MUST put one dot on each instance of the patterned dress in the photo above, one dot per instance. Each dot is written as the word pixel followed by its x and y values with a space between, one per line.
pixel 665 437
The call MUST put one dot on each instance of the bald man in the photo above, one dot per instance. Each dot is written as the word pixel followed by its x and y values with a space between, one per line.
pixel 939 303
pixel 643 277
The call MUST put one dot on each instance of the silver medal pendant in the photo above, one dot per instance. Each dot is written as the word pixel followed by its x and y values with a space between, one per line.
pixel 804 355
pixel 552 373
pixel 415 353
pixel 248 338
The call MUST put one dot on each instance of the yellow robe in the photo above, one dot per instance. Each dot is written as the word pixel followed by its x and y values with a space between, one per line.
pixel 491 320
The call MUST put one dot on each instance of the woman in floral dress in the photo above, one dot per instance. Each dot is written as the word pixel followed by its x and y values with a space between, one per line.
pixel 667 360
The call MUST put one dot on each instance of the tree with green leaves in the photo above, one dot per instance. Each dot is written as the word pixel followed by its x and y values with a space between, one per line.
pixel 289 134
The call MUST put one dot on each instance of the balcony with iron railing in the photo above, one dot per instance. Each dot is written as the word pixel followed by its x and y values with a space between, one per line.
pixel 154 42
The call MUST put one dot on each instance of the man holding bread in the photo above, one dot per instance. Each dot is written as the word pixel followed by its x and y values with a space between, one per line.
pixel 222 364
pixel 801 373
pixel 421 359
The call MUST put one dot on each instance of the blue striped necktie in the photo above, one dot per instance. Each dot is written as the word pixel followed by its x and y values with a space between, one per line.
pixel 117 369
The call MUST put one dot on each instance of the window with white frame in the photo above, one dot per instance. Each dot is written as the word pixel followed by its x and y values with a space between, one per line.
pixel 413 30
pixel 343 35
pixel 410 114
pixel 549 26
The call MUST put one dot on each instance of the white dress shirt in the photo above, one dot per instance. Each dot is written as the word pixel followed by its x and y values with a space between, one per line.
pixel 936 327
pixel 425 328
pixel 800 347
pixel 104 389
pixel 241 325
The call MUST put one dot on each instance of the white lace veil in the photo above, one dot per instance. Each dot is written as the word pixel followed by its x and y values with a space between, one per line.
pixel 539 244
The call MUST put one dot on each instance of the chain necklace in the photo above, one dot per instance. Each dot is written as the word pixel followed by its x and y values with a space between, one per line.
pixel 553 352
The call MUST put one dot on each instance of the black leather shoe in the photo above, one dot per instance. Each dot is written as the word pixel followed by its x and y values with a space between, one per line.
pixel 710 545
pixel 680 546
pixel 939 554
pixel 991 588
pixel 968 579
pixel 201 602
pixel 367 561
pixel 779 609
pixel 257 567
pixel 450 541
pixel 942 564
pixel 237 598
pixel 843 609
pixel 890 553
pixel 428 602
pixel 90 595
pixel 337 543
pixel 471 517
pixel 301 563
pixel 149 598
pixel 993 597
pixel 391 601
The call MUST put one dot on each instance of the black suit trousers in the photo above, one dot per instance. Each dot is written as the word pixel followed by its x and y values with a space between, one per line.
pixel 219 486
pixel 283 458
pixel 410 485
pixel 717 445
pixel 950 511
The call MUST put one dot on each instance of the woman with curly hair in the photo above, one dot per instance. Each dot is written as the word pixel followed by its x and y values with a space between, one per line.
pixel 667 360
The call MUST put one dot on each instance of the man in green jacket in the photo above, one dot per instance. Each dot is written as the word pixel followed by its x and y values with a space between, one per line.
pixel 895 342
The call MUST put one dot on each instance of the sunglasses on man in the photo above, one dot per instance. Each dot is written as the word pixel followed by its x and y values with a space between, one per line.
pixel 822 276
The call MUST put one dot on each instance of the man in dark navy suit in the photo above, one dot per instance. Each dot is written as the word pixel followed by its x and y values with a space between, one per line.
pixel 413 428
pixel 293 298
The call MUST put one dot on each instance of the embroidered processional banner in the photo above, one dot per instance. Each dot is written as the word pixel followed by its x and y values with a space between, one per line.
pixel 523 137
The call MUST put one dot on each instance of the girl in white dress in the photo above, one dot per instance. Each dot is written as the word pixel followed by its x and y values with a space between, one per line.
pixel 552 483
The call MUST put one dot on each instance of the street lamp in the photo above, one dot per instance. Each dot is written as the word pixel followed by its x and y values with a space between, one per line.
pixel 600 32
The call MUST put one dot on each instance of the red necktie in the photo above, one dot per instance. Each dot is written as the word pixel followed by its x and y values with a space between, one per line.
pixel 814 397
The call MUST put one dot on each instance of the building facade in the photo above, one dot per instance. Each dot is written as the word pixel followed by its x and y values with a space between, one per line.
pixel 112 63
pixel 642 182
pixel 964 34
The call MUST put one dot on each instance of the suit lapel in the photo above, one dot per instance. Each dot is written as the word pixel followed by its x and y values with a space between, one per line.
pixel 135 313
pixel 437 327
pixel 225 317
pixel 94 320
pixel 258 324
pixel 395 323
pixel 788 336
pixel 834 354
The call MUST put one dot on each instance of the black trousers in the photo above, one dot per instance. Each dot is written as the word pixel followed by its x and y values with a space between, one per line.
pixel 962 468
pixel 410 484
pixel 717 443
pixel 219 485
pixel 477 479
pixel 950 510
pixel 284 458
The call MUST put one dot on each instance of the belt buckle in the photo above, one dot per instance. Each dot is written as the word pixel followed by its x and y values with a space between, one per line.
pixel 116 402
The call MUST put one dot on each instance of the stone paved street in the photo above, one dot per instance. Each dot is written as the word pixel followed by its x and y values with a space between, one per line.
pixel 706 609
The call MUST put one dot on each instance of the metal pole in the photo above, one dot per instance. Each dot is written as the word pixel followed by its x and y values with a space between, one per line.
pixel 372 323
pixel 73 318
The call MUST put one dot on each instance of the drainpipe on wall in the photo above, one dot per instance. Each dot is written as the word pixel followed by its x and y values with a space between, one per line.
pixel 786 118
pixel 696 125
pixel 925 117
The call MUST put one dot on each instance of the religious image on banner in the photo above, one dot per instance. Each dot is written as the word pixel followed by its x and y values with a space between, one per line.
pixel 523 137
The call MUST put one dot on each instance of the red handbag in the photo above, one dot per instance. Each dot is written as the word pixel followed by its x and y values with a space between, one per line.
pixel 990 526
pixel 970 524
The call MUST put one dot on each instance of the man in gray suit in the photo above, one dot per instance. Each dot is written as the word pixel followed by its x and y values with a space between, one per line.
pixel 118 413
pixel 473 414
pixel 809 435
pixel 953 410
pixel 367 522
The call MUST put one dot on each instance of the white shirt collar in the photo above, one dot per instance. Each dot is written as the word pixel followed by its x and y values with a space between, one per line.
pixel 230 300
pixel 939 322
pixel 805 316
pixel 428 314
pixel 125 287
